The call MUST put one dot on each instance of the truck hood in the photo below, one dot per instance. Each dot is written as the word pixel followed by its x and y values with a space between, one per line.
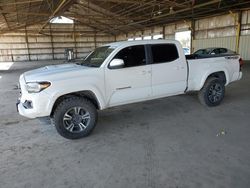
pixel 51 72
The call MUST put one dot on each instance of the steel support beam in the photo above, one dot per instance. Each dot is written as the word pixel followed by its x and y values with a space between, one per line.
pixel 238 32
pixel 53 14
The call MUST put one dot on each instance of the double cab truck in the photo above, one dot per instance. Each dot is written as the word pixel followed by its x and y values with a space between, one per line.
pixel 121 73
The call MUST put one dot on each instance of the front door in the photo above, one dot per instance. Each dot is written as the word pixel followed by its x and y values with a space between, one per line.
pixel 132 83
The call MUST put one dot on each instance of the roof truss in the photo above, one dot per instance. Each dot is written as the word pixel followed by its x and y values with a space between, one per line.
pixel 110 16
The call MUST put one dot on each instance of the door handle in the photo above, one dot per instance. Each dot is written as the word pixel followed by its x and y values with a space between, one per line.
pixel 146 72
pixel 176 68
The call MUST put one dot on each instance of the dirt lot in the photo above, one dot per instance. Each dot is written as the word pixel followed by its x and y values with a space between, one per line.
pixel 171 142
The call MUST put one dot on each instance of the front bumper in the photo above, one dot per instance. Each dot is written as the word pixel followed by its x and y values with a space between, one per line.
pixel 33 105
pixel 39 107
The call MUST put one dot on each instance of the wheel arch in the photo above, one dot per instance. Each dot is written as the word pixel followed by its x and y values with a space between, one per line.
pixel 222 75
pixel 86 94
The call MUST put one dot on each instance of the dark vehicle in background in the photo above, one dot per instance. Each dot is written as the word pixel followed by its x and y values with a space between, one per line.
pixel 213 51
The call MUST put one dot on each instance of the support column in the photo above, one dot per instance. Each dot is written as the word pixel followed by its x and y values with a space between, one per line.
pixel 192 36
pixel 238 32
pixel 164 32
pixel 27 43
pixel 95 39
pixel 52 44
pixel 74 35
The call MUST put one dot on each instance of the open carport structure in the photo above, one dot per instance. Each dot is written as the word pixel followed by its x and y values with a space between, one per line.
pixel 169 142
pixel 27 32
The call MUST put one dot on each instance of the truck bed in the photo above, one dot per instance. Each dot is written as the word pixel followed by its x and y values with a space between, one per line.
pixel 200 67
pixel 195 56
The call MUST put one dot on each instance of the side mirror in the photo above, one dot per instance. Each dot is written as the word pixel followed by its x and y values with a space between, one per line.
pixel 116 64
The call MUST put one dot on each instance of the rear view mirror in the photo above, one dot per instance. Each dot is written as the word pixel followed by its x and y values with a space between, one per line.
pixel 116 64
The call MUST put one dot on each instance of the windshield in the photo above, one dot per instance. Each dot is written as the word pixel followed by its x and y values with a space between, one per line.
pixel 97 57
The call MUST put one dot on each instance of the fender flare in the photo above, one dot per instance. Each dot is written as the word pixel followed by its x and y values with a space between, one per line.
pixel 99 98
pixel 212 71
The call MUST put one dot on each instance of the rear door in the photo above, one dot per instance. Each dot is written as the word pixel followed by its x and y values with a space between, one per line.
pixel 169 70
pixel 131 83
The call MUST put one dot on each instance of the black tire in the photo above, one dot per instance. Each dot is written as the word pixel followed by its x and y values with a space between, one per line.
pixel 212 92
pixel 75 117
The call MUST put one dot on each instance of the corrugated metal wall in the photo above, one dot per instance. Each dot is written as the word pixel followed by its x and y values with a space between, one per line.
pixel 226 42
pixel 168 31
pixel 217 31
pixel 220 31
pixel 26 45
pixel 245 47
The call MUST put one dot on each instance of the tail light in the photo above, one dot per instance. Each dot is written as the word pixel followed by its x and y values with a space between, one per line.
pixel 241 62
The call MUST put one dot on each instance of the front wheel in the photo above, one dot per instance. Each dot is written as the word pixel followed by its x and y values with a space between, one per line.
pixel 75 118
pixel 212 92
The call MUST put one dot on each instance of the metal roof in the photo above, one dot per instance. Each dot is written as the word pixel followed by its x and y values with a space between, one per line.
pixel 111 16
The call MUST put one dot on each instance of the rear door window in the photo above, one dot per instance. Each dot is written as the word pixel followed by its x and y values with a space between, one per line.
pixel 162 53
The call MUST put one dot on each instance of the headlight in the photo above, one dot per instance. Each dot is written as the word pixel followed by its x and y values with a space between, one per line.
pixel 36 87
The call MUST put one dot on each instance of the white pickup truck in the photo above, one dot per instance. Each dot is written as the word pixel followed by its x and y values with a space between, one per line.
pixel 121 73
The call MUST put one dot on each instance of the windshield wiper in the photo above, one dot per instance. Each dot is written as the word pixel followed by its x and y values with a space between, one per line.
pixel 92 65
pixel 88 65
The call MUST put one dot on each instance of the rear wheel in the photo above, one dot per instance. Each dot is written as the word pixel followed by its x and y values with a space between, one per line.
pixel 212 92
pixel 75 118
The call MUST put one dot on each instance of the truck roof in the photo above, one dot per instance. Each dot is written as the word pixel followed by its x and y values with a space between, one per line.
pixel 140 42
